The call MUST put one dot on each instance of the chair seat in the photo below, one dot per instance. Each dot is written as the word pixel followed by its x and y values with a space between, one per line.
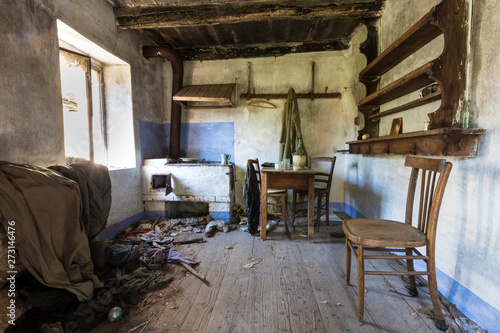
pixel 271 192
pixel 373 232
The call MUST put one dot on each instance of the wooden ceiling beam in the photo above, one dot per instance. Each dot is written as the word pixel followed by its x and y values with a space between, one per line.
pixel 216 53
pixel 151 18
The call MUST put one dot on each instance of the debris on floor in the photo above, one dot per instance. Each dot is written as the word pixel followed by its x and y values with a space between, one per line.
pixel 250 265
pixel 134 263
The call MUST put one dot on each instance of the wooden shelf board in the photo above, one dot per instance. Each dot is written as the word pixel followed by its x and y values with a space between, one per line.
pixel 209 96
pixel 416 37
pixel 436 142
pixel 413 104
pixel 285 96
pixel 412 81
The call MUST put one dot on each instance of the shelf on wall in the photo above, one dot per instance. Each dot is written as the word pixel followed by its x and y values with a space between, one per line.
pixel 207 96
pixel 435 96
pixel 449 19
pixel 412 81
pixel 436 142
pixel 420 34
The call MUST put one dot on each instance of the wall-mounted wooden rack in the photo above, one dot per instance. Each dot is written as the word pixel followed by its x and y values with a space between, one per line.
pixel 445 138
pixel 311 95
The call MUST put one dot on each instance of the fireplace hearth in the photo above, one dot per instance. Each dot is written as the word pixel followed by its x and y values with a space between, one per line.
pixel 194 181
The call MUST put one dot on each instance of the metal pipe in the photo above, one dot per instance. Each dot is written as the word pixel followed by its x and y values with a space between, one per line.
pixel 177 81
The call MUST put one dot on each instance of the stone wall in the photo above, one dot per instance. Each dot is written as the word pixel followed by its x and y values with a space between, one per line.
pixel 30 92
pixel 257 130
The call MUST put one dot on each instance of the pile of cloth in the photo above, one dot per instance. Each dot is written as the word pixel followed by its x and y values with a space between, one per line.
pixel 151 257
pixel 54 212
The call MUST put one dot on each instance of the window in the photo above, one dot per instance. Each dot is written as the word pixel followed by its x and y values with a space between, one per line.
pixel 96 89
pixel 84 122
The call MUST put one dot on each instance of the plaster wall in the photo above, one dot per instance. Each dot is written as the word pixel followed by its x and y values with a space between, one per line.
pixel 257 130
pixel 30 93
pixel 468 232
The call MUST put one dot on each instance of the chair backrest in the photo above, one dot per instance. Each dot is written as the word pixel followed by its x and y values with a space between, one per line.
pixel 431 192
pixel 324 178
pixel 256 166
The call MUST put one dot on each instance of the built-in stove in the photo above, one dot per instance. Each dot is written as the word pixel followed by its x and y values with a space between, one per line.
pixel 189 181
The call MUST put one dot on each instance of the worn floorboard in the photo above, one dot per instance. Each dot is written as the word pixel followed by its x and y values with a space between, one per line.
pixel 294 286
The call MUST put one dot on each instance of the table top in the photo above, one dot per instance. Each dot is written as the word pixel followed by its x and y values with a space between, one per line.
pixel 306 170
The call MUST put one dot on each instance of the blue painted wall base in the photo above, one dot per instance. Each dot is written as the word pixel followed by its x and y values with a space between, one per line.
pixel 466 301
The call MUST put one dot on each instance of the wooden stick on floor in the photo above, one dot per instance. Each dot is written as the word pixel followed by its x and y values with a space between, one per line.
pixel 189 241
pixel 155 222
pixel 195 273
pixel 314 320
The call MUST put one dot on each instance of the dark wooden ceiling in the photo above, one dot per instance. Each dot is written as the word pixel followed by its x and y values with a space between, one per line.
pixel 224 29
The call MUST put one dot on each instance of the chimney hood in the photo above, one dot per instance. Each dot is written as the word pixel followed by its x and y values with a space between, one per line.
pixel 207 96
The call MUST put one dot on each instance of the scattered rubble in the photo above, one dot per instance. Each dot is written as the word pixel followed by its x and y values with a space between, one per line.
pixel 135 263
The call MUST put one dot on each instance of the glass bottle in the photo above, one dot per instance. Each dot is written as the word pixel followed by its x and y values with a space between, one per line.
pixel 464 115
pixel 468 117
pixel 472 116
pixel 300 150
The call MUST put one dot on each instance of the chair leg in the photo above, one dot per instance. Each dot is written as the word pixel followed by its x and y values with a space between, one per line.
pixel 361 283
pixel 347 262
pixel 318 213
pixel 284 213
pixel 294 206
pixel 412 290
pixel 327 209
pixel 436 303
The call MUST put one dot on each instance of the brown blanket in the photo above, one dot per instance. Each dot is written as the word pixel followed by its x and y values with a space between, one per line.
pixel 50 240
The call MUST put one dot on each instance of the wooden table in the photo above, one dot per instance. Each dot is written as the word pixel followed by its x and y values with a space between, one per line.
pixel 287 180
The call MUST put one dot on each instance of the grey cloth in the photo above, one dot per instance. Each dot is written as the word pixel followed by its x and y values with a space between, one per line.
pixel 118 255
pixel 51 242
pixel 251 193
pixel 290 130
pixel 95 190
pixel 152 258
pixel 157 237
pixel 133 256
pixel 175 257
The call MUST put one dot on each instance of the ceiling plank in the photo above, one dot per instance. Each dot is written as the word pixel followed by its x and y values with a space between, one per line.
pixel 144 18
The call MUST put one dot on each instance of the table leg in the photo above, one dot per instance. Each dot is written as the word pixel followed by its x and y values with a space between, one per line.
pixel 310 209
pixel 263 206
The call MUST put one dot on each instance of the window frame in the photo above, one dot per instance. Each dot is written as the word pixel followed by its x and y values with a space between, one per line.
pixel 92 64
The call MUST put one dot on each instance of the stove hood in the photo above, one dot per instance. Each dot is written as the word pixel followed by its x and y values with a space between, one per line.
pixel 207 96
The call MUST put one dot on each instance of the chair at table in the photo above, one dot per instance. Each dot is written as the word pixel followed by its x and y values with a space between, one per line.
pixel 322 185
pixel 390 236
pixel 282 194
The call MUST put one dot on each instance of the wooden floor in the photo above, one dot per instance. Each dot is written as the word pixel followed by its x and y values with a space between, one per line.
pixel 295 287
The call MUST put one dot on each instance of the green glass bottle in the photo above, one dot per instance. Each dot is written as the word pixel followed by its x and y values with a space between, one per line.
pixel 300 149
pixel 299 157
pixel 464 115
pixel 468 117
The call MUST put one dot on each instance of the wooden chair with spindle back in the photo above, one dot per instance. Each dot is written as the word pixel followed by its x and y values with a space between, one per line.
pixel 322 185
pixel 282 194
pixel 390 236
